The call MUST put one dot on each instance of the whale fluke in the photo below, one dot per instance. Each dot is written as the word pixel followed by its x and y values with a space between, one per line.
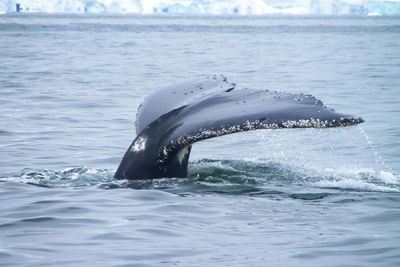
pixel 170 120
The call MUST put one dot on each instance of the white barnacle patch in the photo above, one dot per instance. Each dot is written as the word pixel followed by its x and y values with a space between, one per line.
pixel 165 152
pixel 289 124
pixel 307 123
pixel 138 145
pixel 264 125
pixel 248 125
pixel 182 154
pixel 303 123
pixel 348 121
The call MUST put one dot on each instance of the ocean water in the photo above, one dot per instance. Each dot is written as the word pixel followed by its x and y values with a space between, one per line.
pixel 69 89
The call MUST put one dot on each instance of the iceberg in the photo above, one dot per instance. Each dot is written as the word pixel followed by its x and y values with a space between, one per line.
pixel 208 7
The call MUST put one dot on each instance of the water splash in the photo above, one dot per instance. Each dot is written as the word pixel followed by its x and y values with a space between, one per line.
pixel 261 163
pixel 379 162
pixel 234 177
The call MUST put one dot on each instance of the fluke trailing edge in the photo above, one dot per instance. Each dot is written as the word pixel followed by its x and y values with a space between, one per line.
pixel 170 120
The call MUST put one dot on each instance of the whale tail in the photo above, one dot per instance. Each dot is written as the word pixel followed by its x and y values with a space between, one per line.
pixel 170 120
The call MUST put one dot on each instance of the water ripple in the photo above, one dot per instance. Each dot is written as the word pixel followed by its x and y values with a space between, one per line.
pixel 232 177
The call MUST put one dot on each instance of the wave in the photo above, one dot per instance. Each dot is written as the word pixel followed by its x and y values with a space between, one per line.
pixel 209 7
pixel 234 177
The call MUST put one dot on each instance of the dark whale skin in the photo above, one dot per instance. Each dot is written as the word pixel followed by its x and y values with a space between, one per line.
pixel 170 120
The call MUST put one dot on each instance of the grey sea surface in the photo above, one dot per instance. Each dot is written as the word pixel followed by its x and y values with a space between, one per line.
pixel 69 89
